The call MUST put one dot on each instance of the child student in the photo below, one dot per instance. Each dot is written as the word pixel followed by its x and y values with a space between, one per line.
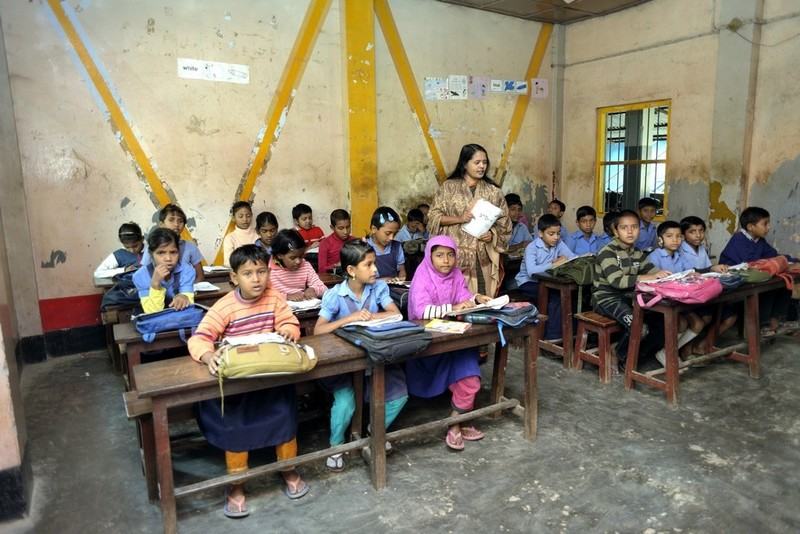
pixel 258 419
pixel 619 266
pixel 647 229
pixel 361 297
pixel 439 287
pixel 583 240
pixel 290 273
pixel 520 236
pixel 545 252
pixel 389 253
pixel 172 216
pixel 330 246
pixel 243 234
pixel 557 208
pixel 414 227
pixel 166 281
pixel 304 223
pixel 424 208
pixel 125 259
pixel 608 231
pixel 266 226
pixel 750 244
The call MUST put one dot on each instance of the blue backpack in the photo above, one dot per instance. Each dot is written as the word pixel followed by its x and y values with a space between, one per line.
pixel 169 319
pixel 513 314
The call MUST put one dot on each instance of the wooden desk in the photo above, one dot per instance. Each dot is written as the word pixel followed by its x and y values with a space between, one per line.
pixel 565 288
pixel 330 279
pixel 671 310
pixel 177 382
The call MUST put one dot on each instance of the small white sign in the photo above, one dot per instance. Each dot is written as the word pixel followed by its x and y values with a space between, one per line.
pixel 539 86
pixel 516 87
pixel 213 71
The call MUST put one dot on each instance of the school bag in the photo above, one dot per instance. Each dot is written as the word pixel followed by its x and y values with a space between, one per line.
pixel 513 314
pixel 690 288
pixel 580 270
pixel 387 343
pixel 399 294
pixel 122 293
pixel 776 266
pixel 168 319
pixel 754 276
pixel 730 281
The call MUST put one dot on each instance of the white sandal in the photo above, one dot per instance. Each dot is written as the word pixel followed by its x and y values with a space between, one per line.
pixel 335 462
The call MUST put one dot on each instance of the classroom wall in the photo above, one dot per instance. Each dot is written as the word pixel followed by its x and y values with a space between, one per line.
pixel 80 182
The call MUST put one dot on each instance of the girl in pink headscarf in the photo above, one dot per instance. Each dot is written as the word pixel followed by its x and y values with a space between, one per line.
pixel 439 287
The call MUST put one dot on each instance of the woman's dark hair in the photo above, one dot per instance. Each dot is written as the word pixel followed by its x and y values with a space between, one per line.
pixel 692 220
pixel 353 253
pixel 162 236
pixel 666 225
pixel 239 205
pixel 129 232
pixel 383 215
pixel 266 217
pixel 287 240
pixel 467 151
pixel 246 253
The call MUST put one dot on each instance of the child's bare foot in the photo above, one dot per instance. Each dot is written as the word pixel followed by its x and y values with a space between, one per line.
pixel 295 485
pixel 614 362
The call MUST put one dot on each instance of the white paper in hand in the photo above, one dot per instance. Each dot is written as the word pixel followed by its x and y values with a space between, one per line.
pixel 484 214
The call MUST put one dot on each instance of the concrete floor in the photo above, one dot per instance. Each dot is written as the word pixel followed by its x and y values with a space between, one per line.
pixel 727 460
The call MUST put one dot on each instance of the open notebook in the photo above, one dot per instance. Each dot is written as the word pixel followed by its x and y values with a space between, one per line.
pixel 494 304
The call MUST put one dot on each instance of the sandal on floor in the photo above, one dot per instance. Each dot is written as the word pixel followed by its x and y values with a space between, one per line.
pixel 470 433
pixel 298 492
pixel 767 332
pixel 335 462
pixel 454 440
pixel 235 509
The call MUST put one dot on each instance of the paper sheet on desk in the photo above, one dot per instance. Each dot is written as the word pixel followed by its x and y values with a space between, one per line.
pixel 484 215
pixel 309 304
pixel 494 304
pixel 209 269
pixel 377 322
pixel 205 286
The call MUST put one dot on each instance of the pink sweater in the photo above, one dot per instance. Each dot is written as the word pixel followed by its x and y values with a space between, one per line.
pixel 288 282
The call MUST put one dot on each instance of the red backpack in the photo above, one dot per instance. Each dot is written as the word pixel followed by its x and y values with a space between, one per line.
pixel 776 266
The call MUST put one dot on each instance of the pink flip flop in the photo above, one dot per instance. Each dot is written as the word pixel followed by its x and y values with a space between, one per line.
pixel 470 433
pixel 454 440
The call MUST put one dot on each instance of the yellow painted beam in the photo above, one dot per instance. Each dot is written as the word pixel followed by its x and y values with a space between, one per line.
pixel 281 101
pixel 128 139
pixel 409 83
pixel 521 105
pixel 362 128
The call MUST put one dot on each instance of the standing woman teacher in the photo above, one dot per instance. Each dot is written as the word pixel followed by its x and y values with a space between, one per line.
pixel 478 258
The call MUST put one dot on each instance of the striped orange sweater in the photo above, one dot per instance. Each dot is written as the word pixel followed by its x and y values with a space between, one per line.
pixel 233 316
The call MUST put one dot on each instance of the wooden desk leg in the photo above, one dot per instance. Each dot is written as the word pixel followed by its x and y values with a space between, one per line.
pixel 378 421
pixel 164 464
pixel 753 329
pixel 566 325
pixel 531 386
pixel 634 341
pixel 542 301
pixel 357 424
pixel 672 357
pixel 499 375
pixel 134 352
pixel 713 332
pixel 147 440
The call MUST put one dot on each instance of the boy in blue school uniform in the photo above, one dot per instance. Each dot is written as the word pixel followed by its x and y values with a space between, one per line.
pixel 750 244
pixel 557 209
pixel 647 228
pixel 414 227
pixel 172 217
pixel 583 240
pixel 520 236
pixel 545 252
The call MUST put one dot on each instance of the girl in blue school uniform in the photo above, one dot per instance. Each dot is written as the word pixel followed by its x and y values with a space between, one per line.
pixel 166 281
pixel 438 288
pixel 389 257
pixel 361 297
pixel 668 257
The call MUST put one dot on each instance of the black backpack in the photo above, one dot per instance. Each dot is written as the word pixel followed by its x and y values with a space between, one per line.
pixel 387 343
pixel 122 293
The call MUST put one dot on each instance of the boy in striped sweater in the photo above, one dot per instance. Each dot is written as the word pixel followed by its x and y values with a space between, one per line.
pixel 619 266
pixel 266 418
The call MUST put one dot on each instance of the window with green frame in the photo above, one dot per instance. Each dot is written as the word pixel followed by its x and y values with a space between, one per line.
pixel 632 142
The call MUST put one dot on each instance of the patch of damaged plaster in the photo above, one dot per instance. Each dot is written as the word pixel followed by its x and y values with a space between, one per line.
pixel 56 257
pixel 780 195
pixel 718 209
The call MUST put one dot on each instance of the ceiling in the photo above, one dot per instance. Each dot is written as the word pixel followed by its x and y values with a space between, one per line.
pixel 555 11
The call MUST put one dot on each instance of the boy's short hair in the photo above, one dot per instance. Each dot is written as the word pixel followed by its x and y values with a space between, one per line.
pixel 266 217
pixel 239 204
pixel 168 210
pixel 645 202
pixel 513 199
pixel 423 205
pixel 354 252
pixel 583 211
pixel 162 236
pixel 667 225
pixel 752 215
pixel 245 253
pixel 609 222
pixel 691 220
pixel 546 221
pixel 301 209
pixel 624 213
pixel 415 215
pixel 560 204
pixel 339 215
pixel 129 232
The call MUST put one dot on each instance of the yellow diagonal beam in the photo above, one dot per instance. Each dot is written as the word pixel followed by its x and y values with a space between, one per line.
pixel 118 122
pixel 282 101
pixel 521 105
pixel 407 80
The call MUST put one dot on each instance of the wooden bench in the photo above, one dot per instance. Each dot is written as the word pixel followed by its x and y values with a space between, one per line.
pixel 671 311
pixel 173 383
pixel 601 355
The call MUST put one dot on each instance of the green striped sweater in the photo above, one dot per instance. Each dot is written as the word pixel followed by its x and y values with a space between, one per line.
pixel 616 271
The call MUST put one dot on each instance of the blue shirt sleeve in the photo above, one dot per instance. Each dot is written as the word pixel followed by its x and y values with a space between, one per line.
pixel 383 296
pixel 403 235
pixel 537 260
pixel 187 278
pixel 562 249
pixel 141 279
pixel 146 255
pixel 191 254
pixel 655 258
pixel 329 309
pixel 401 258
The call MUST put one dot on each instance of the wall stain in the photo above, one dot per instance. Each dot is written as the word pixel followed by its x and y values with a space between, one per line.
pixel 198 126
pixel 719 210
pixel 56 257
pixel 780 194
pixel 151 26
pixel 124 202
